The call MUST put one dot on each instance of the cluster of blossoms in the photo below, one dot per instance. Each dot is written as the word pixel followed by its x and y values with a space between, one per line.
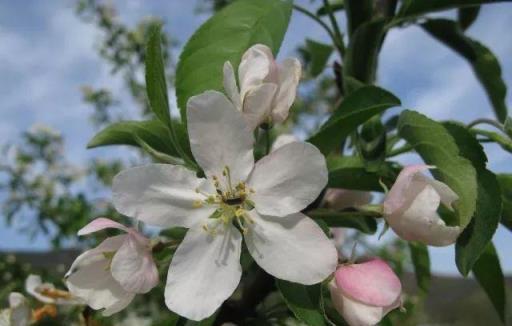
pixel 259 203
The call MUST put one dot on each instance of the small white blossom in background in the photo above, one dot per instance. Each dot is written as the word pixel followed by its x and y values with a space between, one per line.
pixel 47 293
pixel 108 276
pixel 262 199
pixel 267 89
pixel 18 313
pixel 410 208
pixel 364 293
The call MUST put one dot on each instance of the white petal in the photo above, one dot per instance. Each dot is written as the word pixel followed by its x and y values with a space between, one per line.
pixel 356 313
pixel 289 73
pixel 101 223
pixel 90 279
pixel 257 104
pixel 282 140
pixel 292 248
pixel 418 220
pixel 33 286
pixel 448 196
pixel 288 179
pixel 161 195
pixel 230 85
pixel 20 313
pixel 133 266
pixel 204 271
pixel 254 67
pixel 219 136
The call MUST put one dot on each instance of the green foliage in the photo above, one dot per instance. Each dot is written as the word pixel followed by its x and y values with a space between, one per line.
pixel 303 301
pixel 319 54
pixel 363 221
pixel 505 181
pixel 225 37
pixel 466 16
pixel 413 8
pixel 473 241
pixel 421 262
pixel 432 141
pixel 336 5
pixel 358 12
pixel 482 60
pixel 355 109
pixel 488 273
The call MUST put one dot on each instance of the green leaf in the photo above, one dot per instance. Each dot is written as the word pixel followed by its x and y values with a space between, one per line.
pixel 303 301
pixel 437 147
pixel 475 237
pixel 156 84
pixel 507 126
pixel 355 109
pixel 158 156
pixel 225 37
pixel 485 65
pixel 152 132
pixel 421 262
pixel 362 221
pixel 414 8
pixel 467 16
pixel 505 181
pixel 371 143
pixel 488 273
pixel 350 172
pixel 320 53
pixel 503 140
pixel 360 60
pixel 336 5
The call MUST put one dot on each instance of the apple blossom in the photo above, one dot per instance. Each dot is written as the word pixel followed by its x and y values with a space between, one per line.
pixel 410 208
pixel 338 198
pixel 47 293
pixel 18 313
pixel 364 293
pixel 263 200
pixel 267 89
pixel 110 275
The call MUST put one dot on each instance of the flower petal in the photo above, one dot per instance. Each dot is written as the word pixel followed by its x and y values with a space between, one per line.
pixel 89 278
pixel 255 66
pixel 161 195
pixel 20 313
pixel 204 271
pixel 282 140
pixel 372 282
pixel 338 198
pixel 100 224
pixel 288 179
pixel 133 266
pixel 397 195
pixel 33 284
pixel 219 136
pixel 230 85
pixel 289 73
pixel 356 313
pixel 257 104
pixel 419 221
pixel 292 248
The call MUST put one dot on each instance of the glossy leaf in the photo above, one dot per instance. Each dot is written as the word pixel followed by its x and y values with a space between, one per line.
pixel 475 237
pixel 362 221
pixel 437 147
pixel 504 141
pixel 355 109
pixel 485 65
pixel 319 55
pixel 303 301
pixel 421 262
pixel 414 8
pixel 505 181
pixel 489 275
pixel 350 172
pixel 225 37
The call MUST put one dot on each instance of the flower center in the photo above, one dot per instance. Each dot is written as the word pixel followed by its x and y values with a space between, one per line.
pixel 232 203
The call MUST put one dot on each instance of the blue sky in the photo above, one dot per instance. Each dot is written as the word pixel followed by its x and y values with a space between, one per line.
pixel 47 54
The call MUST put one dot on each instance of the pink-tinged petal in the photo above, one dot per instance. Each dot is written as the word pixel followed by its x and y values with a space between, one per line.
pixel 288 179
pixel 254 68
pixel 257 104
pixel 133 266
pixel 289 73
pixel 101 223
pixel 372 282
pixel 230 86
pixel 448 196
pixel 398 193
pixel 219 136
pixel 356 313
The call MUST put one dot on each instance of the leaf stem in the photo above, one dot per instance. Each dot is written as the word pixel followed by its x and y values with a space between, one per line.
pixel 339 47
pixel 404 149
pixel 491 122
pixel 335 27
pixel 267 141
